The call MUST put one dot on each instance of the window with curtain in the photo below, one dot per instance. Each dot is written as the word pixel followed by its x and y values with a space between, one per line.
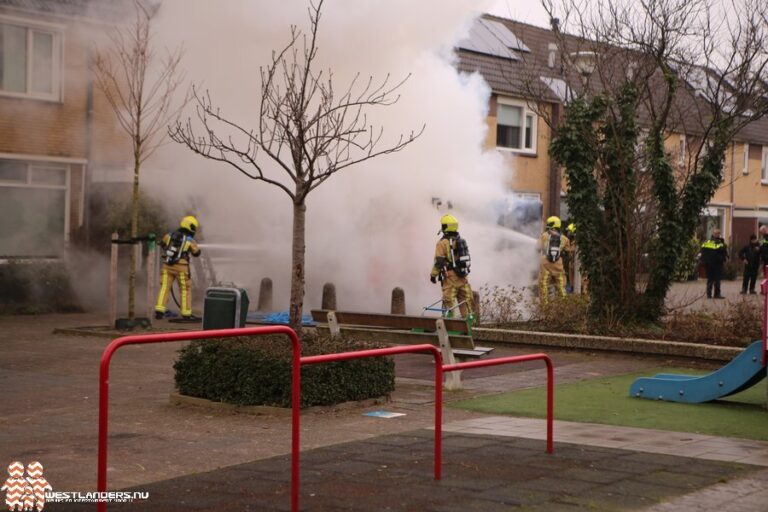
pixel 515 128
pixel 764 165
pixel 29 60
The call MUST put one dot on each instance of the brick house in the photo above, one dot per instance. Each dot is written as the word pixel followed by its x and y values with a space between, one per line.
pixel 60 146
pixel 506 53
pixel 58 137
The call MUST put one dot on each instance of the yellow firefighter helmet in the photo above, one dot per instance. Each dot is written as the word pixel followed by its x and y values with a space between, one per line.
pixel 189 223
pixel 554 222
pixel 449 224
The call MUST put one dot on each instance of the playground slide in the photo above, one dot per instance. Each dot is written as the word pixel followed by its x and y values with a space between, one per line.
pixel 744 371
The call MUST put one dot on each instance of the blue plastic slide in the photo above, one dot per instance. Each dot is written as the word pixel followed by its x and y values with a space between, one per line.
pixel 744 371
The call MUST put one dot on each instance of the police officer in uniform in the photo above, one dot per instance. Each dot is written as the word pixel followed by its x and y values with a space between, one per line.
pixel 176 250
pixel 714 254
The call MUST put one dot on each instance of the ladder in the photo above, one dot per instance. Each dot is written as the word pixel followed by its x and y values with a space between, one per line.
pixel 204 268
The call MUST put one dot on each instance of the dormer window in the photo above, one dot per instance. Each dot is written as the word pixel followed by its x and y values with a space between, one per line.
pixel 585 62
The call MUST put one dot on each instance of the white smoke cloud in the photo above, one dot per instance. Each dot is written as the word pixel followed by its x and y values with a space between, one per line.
pixel 371 227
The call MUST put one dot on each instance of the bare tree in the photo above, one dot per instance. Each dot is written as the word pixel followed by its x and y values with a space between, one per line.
pixel 637 72
pixel 141 89
pixel 305 127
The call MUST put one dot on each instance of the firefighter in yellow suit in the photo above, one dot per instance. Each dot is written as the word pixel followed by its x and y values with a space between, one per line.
pixel 177 247
pixel 451 266
pixel 552 245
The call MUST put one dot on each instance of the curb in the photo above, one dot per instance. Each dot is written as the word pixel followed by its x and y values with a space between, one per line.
pixel 177 399
pixel 503 337
pixel 606 343
pixel 102 331
pixel 559 340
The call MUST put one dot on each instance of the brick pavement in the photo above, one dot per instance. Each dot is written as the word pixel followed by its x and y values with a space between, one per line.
pixel 481 472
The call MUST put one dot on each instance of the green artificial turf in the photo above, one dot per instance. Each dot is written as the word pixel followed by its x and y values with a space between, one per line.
pixel 606 400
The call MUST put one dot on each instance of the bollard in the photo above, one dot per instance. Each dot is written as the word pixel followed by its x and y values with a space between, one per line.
pixel 151 275
pixel 476 306
pixel 329 297
pixel 265 295
pixel 398 301
pixel 113 281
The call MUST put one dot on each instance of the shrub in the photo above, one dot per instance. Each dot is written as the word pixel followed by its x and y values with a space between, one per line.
pixel 731 269
pixel 112 213
pixel 688 262
pixel 564 314
pixel 737 324
pixel 257 371
pixel 502 304
pixel 36 287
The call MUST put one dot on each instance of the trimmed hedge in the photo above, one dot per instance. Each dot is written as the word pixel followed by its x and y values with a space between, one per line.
pixel 257 371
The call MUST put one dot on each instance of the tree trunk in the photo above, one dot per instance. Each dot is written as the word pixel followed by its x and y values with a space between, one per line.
pixel 134 234
pixel 297 266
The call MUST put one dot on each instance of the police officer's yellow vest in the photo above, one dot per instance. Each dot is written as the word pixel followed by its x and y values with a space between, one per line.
pixel 711 244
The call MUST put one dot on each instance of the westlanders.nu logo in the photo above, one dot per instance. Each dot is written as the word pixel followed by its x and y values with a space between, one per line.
pixel 25 492
pixel 31 492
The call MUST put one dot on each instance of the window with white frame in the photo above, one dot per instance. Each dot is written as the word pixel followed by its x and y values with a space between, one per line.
pixel 34 208
pixel 713 217
pixel 745 169
pixel 764 166
pixel 30 59
pixel 515 126
pixel 682 151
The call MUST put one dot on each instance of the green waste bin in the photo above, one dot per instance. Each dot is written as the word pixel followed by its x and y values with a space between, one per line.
pixel 225 308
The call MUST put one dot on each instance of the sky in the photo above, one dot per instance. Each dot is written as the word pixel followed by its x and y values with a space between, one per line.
pixel 530 11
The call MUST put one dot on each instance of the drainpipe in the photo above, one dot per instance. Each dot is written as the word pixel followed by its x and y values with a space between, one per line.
pixel 87 168
pixel 554 171
pixel 733 193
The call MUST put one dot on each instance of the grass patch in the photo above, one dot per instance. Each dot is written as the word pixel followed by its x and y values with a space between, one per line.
pixel 606 400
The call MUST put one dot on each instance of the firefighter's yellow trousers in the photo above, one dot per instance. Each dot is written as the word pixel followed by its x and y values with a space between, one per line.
pixel 457 288
pixel 551 274
pixel 169 274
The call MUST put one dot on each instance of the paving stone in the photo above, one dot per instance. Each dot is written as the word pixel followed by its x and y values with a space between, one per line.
pixel 513 494
pixel 682 480
pixel 559 484
pixel 595 475
pixel 659 459
pixel 603 500
pixel 474 505
pixel 472 480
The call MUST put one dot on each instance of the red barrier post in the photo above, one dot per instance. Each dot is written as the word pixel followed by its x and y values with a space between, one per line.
pixel 101 478
pixel 402 349
pixel 519 359
pixel 764 291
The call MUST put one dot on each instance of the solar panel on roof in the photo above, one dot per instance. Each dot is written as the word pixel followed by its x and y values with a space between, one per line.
pixel 492 38
pixel 505 35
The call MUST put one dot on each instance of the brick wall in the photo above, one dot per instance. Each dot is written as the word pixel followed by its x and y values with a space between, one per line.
pixel 34 128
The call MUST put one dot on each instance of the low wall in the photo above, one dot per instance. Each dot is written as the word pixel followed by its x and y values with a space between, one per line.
pixel 567 341
pixel 607 343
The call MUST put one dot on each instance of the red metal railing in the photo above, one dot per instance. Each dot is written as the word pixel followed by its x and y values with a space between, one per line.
pixel 106 357
pixel 296 363
pixel 764 291
pixel 378 352
pixel 439 369
pixel 519 359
